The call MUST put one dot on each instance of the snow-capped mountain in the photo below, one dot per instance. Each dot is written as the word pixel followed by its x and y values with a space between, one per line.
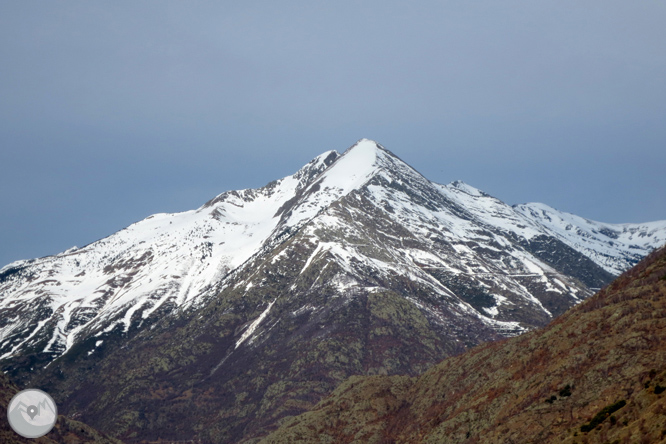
pixel 355 264
pixel 166 261
pixel 614 247
pixel 170 261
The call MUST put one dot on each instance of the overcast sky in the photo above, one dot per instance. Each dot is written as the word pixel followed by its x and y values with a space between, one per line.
pixel 114 110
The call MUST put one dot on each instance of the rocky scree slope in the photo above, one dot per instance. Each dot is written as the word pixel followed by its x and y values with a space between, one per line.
pixel 597 374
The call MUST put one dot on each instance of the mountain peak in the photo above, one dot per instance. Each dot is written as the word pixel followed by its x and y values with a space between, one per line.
pixel 365 143
pixel 359 158
pixel 355 166
pixel 367 146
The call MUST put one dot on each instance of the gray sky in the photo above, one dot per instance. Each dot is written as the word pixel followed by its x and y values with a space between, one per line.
pixel 114 110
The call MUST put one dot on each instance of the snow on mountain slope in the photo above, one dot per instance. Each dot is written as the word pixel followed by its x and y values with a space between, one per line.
pixel 162 262
pixel 490 211
pixel 454 238
pixel 349 172
pixel 615 247
pixel 442 245
pixel 165 261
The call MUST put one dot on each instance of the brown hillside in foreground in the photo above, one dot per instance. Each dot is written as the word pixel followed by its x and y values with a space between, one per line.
pixel 597 374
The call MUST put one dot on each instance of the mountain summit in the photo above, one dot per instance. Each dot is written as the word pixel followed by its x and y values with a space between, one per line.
pixel 222 321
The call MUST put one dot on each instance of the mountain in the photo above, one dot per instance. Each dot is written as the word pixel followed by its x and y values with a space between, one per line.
pixel 153 267
pixel 615 247
pixel 597 374
pixel 219 323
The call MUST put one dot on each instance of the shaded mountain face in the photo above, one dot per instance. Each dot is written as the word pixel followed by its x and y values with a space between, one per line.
pixel 597 374
pixel 219 323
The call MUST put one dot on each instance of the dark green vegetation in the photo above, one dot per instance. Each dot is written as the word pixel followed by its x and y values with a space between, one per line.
pixel 611 347
pixel 602 415
pixel 566 391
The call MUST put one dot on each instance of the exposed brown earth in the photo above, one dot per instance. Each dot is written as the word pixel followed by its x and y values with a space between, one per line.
pixel 565 383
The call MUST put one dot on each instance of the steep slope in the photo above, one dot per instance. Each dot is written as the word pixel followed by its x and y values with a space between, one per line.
pixel 148 270
pixel 553 235
pixel 597 374
pixel 218 324
pixel 614 247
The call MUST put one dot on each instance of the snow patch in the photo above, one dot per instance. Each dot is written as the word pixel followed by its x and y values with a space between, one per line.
pixel 250 330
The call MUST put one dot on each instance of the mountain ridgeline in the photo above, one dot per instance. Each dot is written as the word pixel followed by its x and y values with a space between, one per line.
pixel 222 323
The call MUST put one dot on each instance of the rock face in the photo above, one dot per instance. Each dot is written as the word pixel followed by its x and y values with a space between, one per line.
pixel 597 374
pixel 219 323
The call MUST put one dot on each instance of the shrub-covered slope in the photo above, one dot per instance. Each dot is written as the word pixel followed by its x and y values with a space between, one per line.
pixel 597 374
